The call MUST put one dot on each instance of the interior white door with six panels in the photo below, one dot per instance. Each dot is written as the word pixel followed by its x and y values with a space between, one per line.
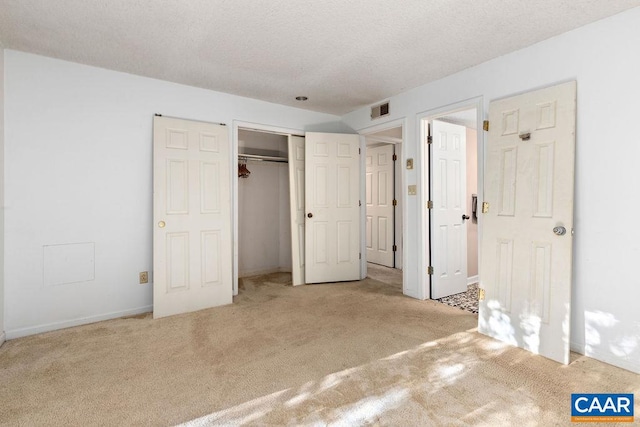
pixel 527 242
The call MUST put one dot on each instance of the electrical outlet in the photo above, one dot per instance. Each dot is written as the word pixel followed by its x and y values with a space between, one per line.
pixel 144 277
pixel 409 163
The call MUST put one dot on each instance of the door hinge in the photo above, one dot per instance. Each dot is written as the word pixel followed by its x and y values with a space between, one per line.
pixel 360 255
pixel 359 202
pixel 485 125
pixel 430 204
pixel 395 248
pixel 359 151
pixel 485 207
pixel 430 270
pixel 395 157
pixel 429 139
pixel 481 295
pixel 395 202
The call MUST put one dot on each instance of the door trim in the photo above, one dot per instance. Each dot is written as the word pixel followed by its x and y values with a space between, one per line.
pixel 424 183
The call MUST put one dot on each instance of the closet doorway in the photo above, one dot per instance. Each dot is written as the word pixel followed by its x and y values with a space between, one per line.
pixel 264 221
pixel 309 208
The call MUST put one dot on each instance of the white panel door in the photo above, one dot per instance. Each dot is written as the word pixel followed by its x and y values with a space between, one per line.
pixel 296 194
pixel 448 223
pixel 527 232
pixel 191 216
pixel 379 202
pixel 332 187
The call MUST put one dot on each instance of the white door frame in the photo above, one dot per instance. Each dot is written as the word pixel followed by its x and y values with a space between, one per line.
pixel 403 179
pixel 423 179
pixel 236 124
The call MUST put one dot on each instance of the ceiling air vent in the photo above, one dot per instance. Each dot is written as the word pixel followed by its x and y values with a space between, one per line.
pixel 380 110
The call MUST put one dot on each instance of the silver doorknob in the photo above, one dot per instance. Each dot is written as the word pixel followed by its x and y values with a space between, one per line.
pixel 559 231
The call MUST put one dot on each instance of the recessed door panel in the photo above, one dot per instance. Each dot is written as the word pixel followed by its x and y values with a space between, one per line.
pixel 508 172
pixel 210 257
pixel 177 262
pixel 209 142
pixel 543 180
pixel 209 188
pixel 177 187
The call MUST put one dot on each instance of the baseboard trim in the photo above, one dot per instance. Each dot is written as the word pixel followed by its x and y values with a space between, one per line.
pixel 411 293
pixel 32 330
pixel 473 279
pixel 606 357
pixel 3 338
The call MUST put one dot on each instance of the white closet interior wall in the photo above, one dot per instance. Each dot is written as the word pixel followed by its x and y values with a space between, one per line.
pixel 264 229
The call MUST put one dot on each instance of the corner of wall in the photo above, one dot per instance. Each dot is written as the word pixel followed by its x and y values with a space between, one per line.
pixel 2 333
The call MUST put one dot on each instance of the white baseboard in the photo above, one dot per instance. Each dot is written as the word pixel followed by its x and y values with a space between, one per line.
pixel 32 330
pixel 607 357
pixel 3 338
pixel 473 279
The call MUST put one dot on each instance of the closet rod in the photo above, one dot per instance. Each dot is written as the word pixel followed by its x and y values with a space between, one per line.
pixel 260 158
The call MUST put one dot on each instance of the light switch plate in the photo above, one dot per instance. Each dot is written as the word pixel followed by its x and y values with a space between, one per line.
pixel 413 190
pixel 409 163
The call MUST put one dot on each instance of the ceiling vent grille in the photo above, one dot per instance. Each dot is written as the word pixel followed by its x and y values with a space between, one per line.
pixel 380 110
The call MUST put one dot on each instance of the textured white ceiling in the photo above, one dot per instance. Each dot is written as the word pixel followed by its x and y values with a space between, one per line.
pixel 342 54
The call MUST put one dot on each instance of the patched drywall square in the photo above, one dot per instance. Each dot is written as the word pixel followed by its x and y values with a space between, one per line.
pixel 68 263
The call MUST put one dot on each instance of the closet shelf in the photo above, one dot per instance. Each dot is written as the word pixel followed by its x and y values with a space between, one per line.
pixel 262 158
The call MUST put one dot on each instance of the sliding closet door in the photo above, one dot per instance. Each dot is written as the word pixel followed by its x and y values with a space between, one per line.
pixel 332 196
pixel 296 194
pixel 192 216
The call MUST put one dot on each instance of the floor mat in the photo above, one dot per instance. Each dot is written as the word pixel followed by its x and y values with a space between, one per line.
pixel 464 300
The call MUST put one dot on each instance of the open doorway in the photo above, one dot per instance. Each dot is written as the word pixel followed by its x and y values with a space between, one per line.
pixel 451 222
pixel 383 205
pixel 308 215
pixel 264 231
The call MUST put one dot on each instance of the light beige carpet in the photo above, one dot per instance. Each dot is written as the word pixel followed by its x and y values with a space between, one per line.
pixel 337 354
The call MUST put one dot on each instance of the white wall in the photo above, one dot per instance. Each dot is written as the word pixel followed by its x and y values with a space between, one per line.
pixel 79 169
pixel 2 181
pixel 258 220
pixel 603 58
